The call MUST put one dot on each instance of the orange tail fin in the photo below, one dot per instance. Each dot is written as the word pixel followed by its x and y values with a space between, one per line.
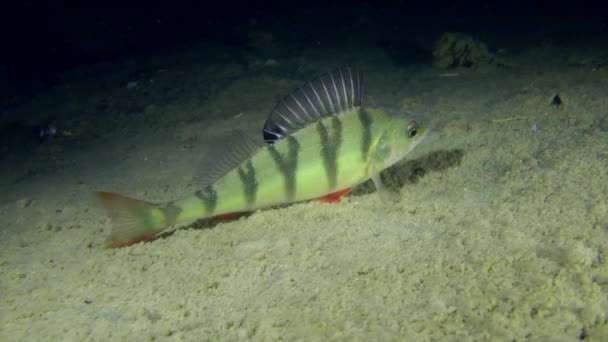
pixel 133 220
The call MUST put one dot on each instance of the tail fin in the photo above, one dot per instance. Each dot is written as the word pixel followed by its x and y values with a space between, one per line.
pixel 133 220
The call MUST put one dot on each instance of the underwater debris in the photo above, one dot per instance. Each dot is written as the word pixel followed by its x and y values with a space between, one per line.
pixel 48 131
pixel 557 100
pixel 454 50
pixel 132 84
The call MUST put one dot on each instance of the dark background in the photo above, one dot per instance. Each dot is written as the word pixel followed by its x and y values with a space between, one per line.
pixel 42 39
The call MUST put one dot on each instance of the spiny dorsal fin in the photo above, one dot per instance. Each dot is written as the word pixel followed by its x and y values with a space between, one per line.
pixel 232 152
pixel 332 93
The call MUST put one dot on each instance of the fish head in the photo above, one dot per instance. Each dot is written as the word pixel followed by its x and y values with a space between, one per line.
pixel 402 132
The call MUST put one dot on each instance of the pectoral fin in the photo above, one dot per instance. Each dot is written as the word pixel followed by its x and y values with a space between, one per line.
pixel 385 194
pixel 382 191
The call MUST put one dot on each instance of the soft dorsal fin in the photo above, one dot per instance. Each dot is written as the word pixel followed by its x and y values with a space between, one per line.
pixel 332 93
pixel 233 150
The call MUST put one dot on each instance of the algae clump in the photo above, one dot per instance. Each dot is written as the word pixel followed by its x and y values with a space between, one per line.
pixel 460 50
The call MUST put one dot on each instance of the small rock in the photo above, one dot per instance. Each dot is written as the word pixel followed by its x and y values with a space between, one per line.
pixel 132 84
pixel 24 203
pixel 557 100
pixel 49 227
pixel 270 62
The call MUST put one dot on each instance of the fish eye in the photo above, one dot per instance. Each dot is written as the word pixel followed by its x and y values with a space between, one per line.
pixel 412 129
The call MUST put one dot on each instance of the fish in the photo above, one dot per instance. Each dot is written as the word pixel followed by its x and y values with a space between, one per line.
pixel 319 142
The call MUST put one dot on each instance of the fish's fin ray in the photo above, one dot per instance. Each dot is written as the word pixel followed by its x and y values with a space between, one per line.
pixel 132 219
pixel 231 152
pixel 330 94
pixel 386 195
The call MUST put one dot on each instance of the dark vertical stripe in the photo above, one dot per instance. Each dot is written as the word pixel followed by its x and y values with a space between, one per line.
pixel 171 212
pixel 366 136
pixel 209 198
pixel 330 146
pixel 250 185
pixel 288 165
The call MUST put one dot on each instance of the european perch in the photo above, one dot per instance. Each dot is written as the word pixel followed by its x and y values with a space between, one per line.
pixel 320 142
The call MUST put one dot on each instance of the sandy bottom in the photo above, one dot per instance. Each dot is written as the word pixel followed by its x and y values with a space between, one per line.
pixel 500 232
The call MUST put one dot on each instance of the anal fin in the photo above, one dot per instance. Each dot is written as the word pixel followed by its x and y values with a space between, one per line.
pixel 334 196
